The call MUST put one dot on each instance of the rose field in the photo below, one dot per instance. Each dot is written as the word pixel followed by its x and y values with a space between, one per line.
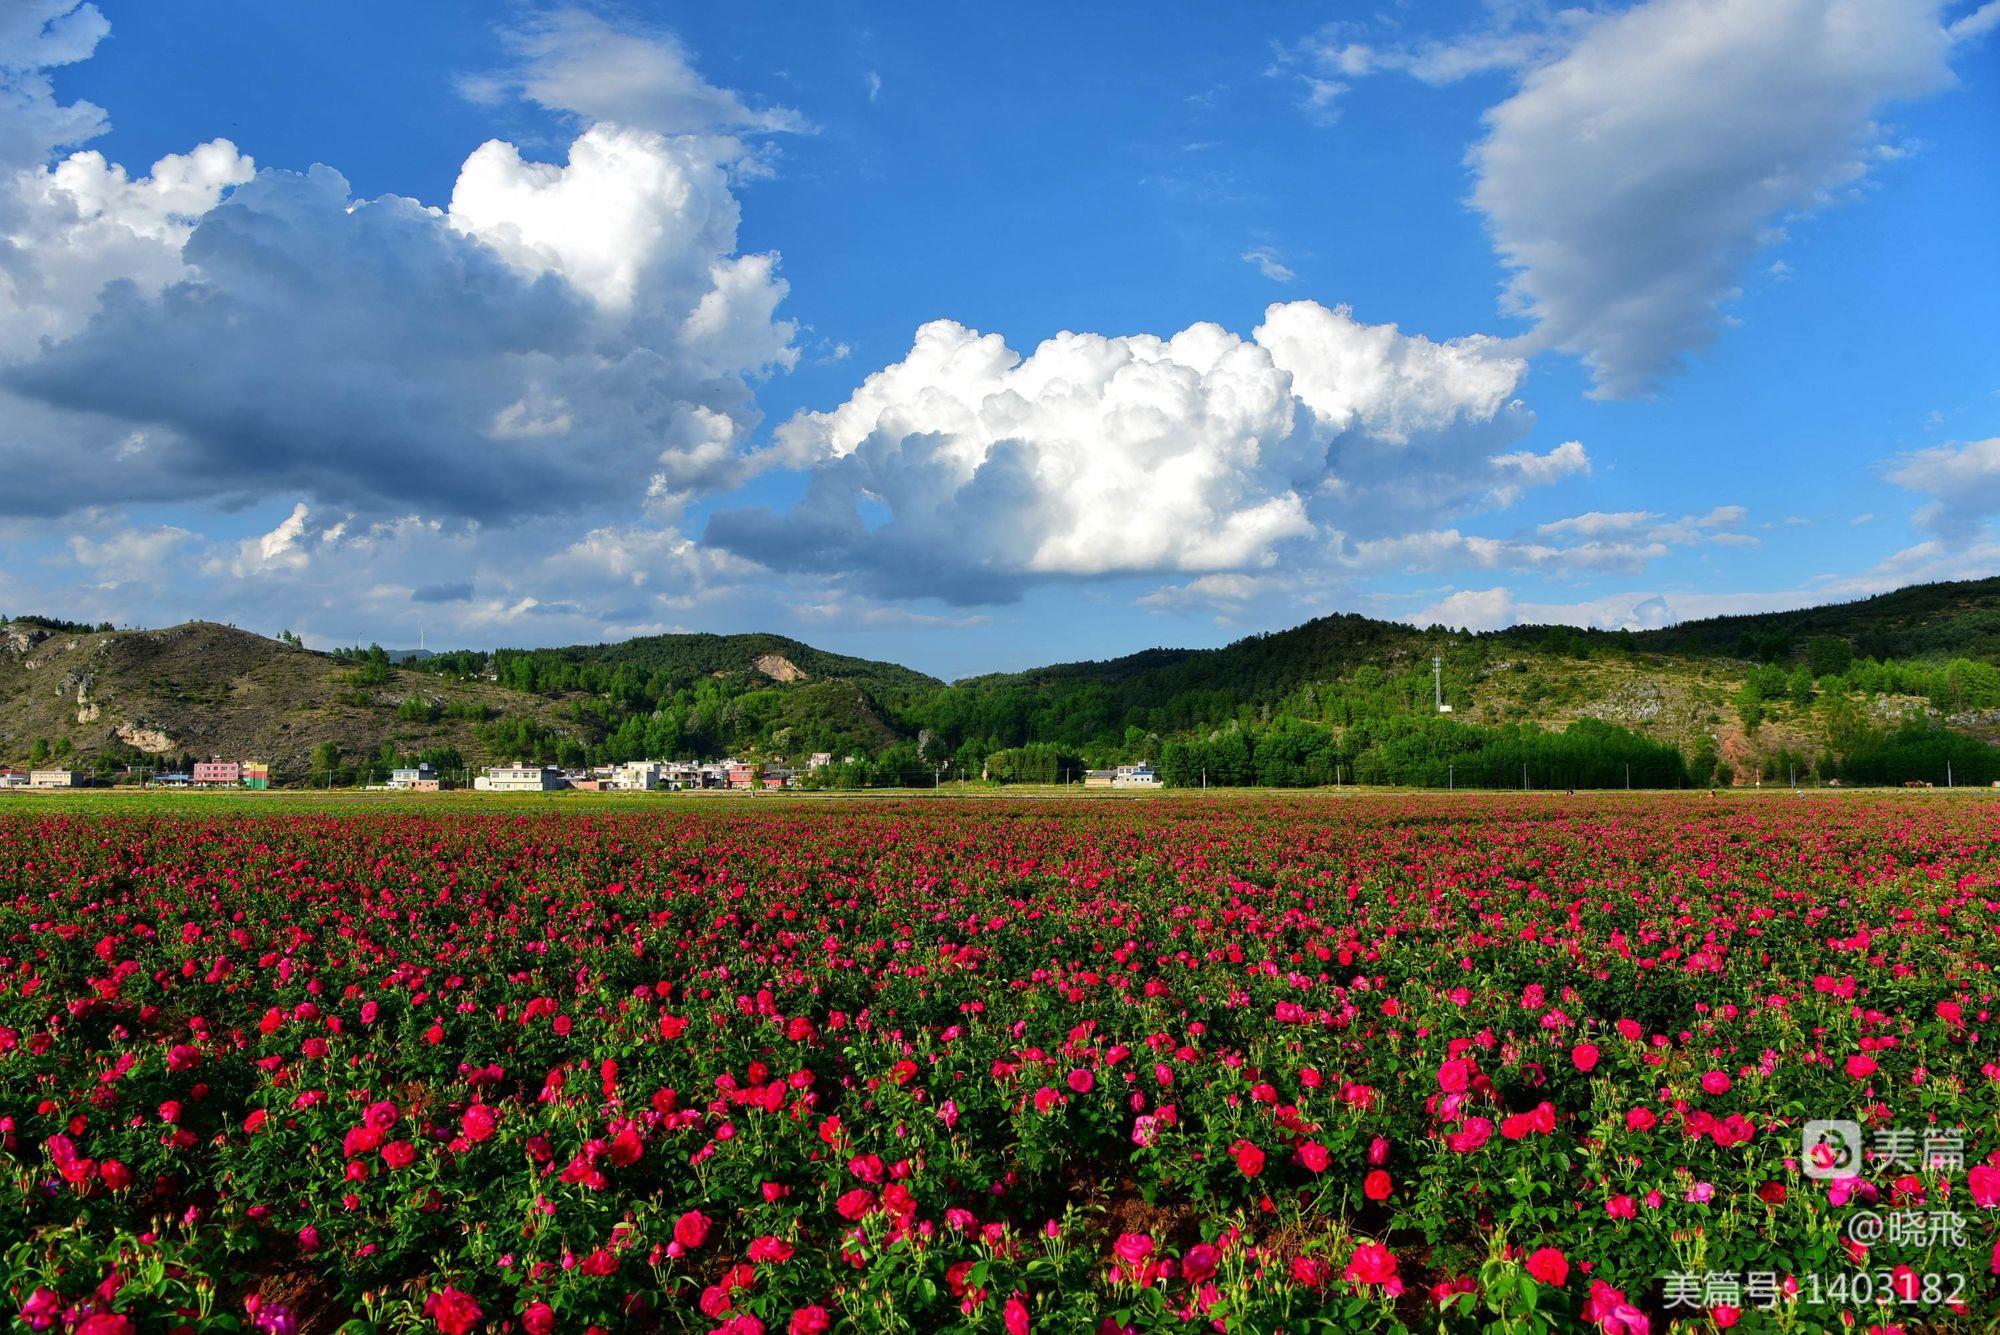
pixel 1255 1063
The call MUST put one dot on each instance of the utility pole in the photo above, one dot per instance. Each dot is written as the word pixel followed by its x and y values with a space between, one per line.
pixel 1947 774
pixel 1524 776
pixel 1628 776
pixel 1437 684
pixel 1450 777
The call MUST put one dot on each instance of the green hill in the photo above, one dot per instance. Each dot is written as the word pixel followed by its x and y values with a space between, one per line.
pixel 1871 689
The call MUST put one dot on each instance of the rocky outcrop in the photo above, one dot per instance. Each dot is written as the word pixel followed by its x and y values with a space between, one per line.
pixel 140 737
pixel 779 668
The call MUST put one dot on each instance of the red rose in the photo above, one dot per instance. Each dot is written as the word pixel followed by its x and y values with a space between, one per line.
pixel 1132 1247
pixel 1549 1266
pixel 1372 1263
pixel 810 1321
pixel 691 1229
pixel 1199 1263
pixel 452 1312
pixel 1584 1055
pixel 1249 1159
pixel 771 1251
pixel 478 1123
pixel 399 1154
pixel 1314 1156
pixel 1860 1066
pixel 1377 1185
pixel 106 1323
pixel 1982 1181
pixel 538 1319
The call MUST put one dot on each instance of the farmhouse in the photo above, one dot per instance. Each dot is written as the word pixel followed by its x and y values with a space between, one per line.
pixel 637 776
pixel 54 778
pixel 217 773
pixel 521 779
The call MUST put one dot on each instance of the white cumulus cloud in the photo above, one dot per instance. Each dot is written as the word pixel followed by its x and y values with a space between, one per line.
pixel 1962 483
pixel 1631 179
pixel 565 334
pixel 569 59
pixel 1651 150
pixel 966 470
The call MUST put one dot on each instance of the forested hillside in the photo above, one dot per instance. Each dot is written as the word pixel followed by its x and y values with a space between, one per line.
pixel 1903 686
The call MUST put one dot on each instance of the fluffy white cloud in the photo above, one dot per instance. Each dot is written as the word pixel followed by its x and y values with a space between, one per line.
pixel 1632 177
pixel 566 334
pixel 37 36
pixel 966 470
pixel 1597 523
pixel 1498 608
pixel 572 60
pixel 1446 549
pixel 1223 594
pixel 1962 482
pixel 1651 149
pixel 1469 609
pixel 1719 525
pixel 117 553
pixel 71 229
pixel 69 225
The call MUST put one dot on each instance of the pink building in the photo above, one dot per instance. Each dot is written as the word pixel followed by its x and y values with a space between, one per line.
pixel 217 772
pixel 741 774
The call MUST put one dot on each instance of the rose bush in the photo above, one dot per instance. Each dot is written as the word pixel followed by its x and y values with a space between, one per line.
pixel 1247 1063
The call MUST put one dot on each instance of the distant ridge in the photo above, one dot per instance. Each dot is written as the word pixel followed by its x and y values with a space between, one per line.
pixel 1723 683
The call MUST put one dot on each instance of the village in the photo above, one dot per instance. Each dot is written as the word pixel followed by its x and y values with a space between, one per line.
pixel 635 776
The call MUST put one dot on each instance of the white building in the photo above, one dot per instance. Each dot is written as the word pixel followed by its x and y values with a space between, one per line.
pixel 1135 776
pixel 411 778
pixel 636 776
pixel 521 779
pixel 53 778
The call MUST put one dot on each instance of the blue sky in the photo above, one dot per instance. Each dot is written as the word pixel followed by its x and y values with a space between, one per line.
pixel 1610 316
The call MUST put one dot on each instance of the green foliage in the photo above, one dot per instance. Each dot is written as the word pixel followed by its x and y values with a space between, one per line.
pixel 371 665
pixel 1921 621
pixel 1429 752
pixel 1918 752
pixel 1038 762
pixel 419 709
pixel 1828 655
